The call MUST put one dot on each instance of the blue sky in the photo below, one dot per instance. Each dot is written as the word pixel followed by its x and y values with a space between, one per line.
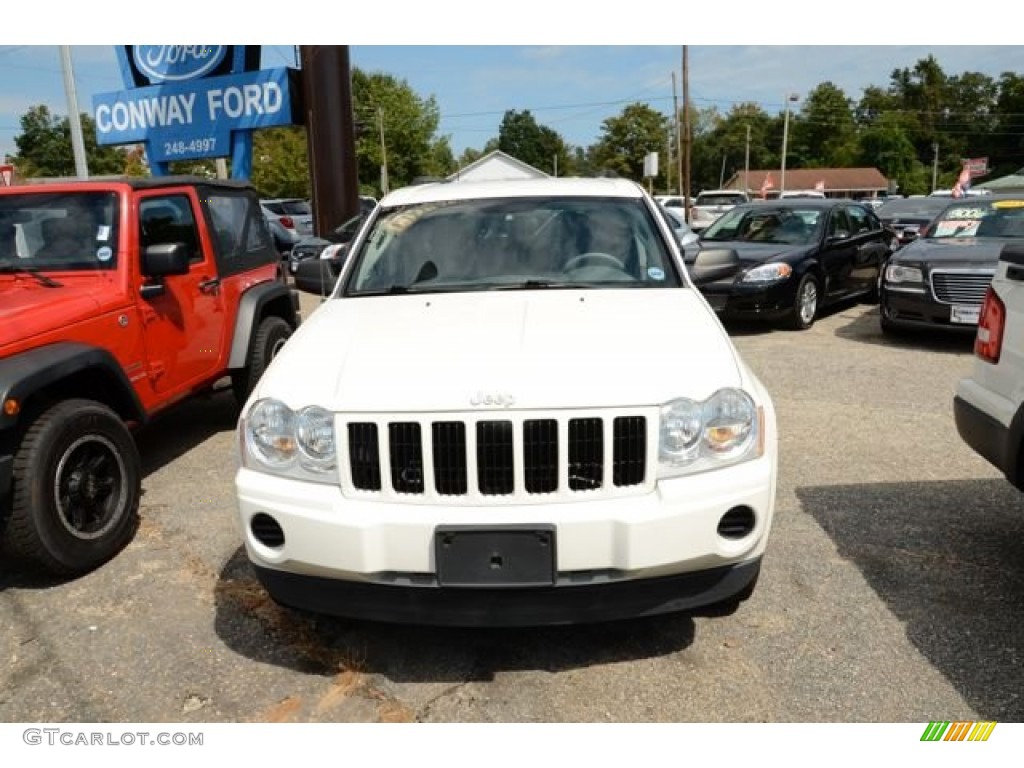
pixel 570 88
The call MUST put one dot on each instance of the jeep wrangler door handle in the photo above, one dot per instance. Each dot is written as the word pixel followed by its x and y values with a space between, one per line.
pixel 210 286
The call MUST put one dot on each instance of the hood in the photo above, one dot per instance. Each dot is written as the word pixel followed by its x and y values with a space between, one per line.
pixel 973 250
pixel 528 349
pixel 28 308
pixel 752 253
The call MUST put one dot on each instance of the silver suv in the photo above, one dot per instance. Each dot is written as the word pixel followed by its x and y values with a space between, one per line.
pixel 711 204
pixel 989 406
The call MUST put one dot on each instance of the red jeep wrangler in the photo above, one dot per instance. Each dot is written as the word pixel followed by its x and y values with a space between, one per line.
pixel 118 299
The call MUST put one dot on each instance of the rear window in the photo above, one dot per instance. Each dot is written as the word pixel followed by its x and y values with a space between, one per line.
pixel 720 199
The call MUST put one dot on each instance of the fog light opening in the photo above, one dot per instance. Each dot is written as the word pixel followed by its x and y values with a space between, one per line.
pixel 266 531
pixel 737 523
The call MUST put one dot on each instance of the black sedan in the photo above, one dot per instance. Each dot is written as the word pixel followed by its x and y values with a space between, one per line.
pixel 785 259
pixel 908 217
pixel 311 247
pixel 940 279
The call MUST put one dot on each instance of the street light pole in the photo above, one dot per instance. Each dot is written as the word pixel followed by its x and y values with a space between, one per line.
pixel 74 118
pixel 785 140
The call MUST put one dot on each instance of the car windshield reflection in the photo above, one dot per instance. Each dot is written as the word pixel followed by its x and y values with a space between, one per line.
pixel 536 243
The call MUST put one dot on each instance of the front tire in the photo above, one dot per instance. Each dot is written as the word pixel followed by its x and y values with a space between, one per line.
pixel 77 482
pixel 271 335
pixel 805 303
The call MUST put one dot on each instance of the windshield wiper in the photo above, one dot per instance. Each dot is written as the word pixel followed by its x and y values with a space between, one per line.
pixel 14 269
pixel 529 285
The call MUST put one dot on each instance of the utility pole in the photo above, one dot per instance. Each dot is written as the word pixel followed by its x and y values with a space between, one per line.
pixel 721 176
pixel 384 186
pixel 785 139
pixel 935 164
pixel 686 134
pixel 746 164
pixel 679 145
pixel 74 117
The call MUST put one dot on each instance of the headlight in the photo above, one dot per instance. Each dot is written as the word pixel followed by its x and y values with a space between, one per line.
pixel 897 273
pixel 314 432
pixel 696 437
pixel 270 433
pixel 681 423
pixel 297 444
pixel 730 420
pixel 768 273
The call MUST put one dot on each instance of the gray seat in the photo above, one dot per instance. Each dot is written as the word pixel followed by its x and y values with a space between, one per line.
pixel 65 239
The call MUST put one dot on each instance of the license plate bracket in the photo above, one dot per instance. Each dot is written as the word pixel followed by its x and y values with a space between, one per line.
pixel 966 314
pixel 495 556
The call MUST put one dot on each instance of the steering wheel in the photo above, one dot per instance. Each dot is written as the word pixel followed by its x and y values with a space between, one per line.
pixel 594 256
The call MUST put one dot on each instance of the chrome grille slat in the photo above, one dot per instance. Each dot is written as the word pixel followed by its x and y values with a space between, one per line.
pixel 951 287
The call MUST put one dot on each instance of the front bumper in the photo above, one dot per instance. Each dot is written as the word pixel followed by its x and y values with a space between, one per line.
pixel 432 605
pixel 919 309
pixel 733 299
pixel 602 547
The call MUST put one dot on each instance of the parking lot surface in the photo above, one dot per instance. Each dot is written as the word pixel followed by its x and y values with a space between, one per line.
pixel 892 590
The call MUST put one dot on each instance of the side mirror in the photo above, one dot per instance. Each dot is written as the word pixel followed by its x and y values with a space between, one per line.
pixel 714 264
pixel 165 259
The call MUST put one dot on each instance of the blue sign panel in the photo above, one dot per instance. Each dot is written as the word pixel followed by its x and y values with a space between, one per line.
pixel 177 63
pixel 192 119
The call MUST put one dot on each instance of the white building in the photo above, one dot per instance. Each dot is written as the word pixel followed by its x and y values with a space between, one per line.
pixel 497 165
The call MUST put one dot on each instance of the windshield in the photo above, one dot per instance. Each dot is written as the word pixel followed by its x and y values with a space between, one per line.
pixel 720 199
pixel 58 231
pixel 972 218
pixel 547 242
pixel 767 224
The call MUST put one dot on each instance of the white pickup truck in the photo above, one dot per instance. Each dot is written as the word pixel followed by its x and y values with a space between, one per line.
pixel 989 406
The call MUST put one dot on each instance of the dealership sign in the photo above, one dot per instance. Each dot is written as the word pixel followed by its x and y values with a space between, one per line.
pixel 188 102
pixel 174 63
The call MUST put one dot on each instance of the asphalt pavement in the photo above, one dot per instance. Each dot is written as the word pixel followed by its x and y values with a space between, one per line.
pixel 892 590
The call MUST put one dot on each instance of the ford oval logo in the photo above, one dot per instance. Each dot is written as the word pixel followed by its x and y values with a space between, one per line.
pixel 176 63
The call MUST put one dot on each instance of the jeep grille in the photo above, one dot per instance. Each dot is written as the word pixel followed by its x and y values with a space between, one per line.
pixel 506 457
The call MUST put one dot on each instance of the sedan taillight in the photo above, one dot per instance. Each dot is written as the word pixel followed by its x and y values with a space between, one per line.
pixel 287 222
pixel 989 341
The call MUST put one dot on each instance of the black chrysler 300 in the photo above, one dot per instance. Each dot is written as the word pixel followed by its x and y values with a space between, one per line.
pixel 786 259
pixel 940 279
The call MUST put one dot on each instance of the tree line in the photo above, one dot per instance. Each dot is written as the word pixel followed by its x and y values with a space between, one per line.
pixel 923 121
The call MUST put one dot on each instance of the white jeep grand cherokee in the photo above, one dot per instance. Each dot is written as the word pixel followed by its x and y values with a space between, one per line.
pixel 514 409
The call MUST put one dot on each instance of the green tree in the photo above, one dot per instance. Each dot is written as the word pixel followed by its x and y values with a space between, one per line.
pixel 721 144
pixel 280 162
pixel 397 125
pixel 520 136
pixel 1008 146
pixel 885 145
pixel 824 134
pixel 44 147
pixel 627 138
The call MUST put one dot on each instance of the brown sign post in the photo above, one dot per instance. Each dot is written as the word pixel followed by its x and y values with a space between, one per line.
pixel 330 128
